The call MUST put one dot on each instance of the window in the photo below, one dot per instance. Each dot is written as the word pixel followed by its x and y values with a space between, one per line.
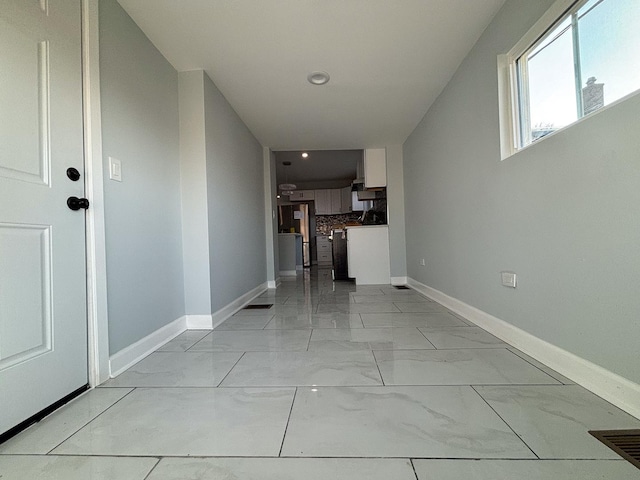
pixel 581 56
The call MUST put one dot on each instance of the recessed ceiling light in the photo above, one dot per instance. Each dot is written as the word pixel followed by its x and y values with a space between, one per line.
pixel 305 155
pixel 318 78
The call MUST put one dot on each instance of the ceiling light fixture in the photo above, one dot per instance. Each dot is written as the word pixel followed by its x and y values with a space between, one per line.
pixel 305 155
pixel 286 188
pixel 318 78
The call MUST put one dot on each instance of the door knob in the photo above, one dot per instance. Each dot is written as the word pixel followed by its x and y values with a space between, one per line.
pixel 75 203
pixel 73 174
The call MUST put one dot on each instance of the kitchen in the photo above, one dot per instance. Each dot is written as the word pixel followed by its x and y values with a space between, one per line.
pixel 332 212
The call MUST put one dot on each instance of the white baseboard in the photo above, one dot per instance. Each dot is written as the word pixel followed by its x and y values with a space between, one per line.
pixel 273 283
pixel 225 312
pixel 618 390
pixel 288 273
pixel 399 280
pixel 132 354
pixel 199 322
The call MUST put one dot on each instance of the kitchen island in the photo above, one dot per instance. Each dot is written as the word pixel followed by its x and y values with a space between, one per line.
pixel 290 253
pixel 368 254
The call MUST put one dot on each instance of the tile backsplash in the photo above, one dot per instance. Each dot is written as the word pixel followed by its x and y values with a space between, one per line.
pixel 324 223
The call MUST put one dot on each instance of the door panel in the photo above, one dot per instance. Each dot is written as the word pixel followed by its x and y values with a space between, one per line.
pixel 24 96
pixel 43 326
pixel 25 284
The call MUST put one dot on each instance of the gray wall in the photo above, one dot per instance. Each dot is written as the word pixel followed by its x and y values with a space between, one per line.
pixel 395 207
pixel 142 214
pixel 193 173
pixel 563 214
pixel 235 195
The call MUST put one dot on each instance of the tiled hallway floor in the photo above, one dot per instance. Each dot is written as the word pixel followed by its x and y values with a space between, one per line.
pixel 332 382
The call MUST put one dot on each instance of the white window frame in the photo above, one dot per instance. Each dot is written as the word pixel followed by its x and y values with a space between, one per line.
pixel 509 97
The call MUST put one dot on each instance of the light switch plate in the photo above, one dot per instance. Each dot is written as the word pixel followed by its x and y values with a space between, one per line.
pixel 115 169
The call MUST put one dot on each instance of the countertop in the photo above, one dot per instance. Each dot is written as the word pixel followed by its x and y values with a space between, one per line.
pixel 367 226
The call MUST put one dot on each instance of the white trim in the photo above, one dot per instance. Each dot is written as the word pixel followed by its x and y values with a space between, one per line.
pixel 199 322
pixel 399 280
pixel 273 283
pixel 97 316
pixel 507 101
pixel 270 216
pixel 225 312
pixel 288 273
pixel 508 96
pixel 132 354
pixel 566 127
pixel 618 390
pixel 542 26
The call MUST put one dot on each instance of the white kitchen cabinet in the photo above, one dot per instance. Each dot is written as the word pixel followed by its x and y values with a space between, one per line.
pixel 368 254
pixel 375 167
pixel 336 201
pixel 323 202
pixel 345 193
pixel 360 167
pixel 324 251
pixel 333 201
pixel 301 195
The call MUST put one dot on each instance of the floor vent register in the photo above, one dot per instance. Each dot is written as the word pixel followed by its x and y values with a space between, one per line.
pixel 402 287
pixel 625 443
pixel 258 307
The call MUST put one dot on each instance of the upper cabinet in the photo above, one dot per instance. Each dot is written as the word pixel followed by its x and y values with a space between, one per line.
pixel 301 195
pixel 333 201
pixel 375 168
pixel 346 200
pixel 323 202
pixel 336 200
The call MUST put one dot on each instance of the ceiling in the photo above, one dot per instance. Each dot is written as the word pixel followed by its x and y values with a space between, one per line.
pixel 388 61
pixel 319 166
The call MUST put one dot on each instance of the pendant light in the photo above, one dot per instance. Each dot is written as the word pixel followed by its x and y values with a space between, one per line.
pixel 287 188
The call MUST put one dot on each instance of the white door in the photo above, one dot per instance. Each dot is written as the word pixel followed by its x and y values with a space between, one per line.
pixel 43 326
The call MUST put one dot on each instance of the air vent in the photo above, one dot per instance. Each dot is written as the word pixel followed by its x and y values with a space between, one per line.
pixel 402 287
pixel 258 307
pixel 625 443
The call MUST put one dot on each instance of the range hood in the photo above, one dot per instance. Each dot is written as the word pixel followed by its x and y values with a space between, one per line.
pixel 363 194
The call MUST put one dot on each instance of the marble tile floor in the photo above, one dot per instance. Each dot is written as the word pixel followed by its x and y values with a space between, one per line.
pixel 335 381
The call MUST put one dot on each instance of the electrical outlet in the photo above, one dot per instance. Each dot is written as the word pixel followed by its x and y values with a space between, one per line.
pixel 508 279
pixel 422 262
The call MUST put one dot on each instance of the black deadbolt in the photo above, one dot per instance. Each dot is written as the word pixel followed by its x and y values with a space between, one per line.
pixel 75 203
pixel 73 174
